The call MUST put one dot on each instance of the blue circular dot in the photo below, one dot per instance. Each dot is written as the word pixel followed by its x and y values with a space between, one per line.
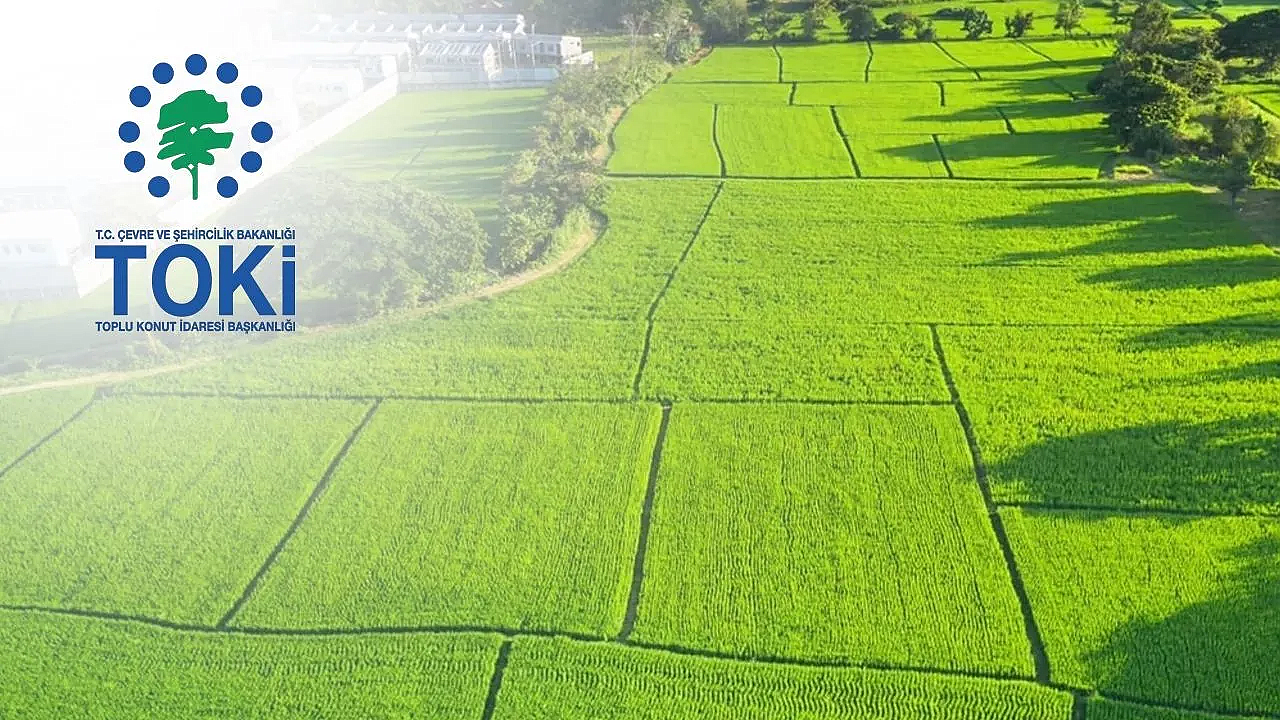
pixel 251 162
pixel 162 72
pixel 228 72
pixel 228 187
pixel 251 95
pixel 139 96
pixel 130 132
pixel 134 161
pixel 261 132
pixel 158 186
pixel 196 64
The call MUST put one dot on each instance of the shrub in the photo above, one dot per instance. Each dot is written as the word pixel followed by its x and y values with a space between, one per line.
pixel 860 22
pixel 1017 24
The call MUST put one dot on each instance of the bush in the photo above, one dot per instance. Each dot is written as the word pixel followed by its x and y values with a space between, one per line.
pixel 1017 24
pixel 725 21
pixel 950 13
pixel 1154 142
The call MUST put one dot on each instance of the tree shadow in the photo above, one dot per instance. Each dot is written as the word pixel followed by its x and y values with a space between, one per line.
pixel 1198 274
pixel 1230 465
pixel 1217 655
pixel 1239 329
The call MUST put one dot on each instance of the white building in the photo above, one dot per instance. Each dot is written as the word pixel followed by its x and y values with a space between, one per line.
pixel 44 251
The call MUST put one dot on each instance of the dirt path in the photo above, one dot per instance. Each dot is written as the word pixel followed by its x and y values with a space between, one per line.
pixel 505 285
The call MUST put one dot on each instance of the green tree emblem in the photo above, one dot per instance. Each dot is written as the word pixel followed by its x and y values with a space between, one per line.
pixel 186 139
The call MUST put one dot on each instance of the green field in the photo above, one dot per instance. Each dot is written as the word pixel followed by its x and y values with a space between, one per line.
pixel 871 400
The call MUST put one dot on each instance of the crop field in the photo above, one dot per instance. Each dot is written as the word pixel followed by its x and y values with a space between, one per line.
pixel 550 678
pixel 400 520
pixel 774 527
pixel 1236 8
pixel 30 417
pixel 1175 609
pixel 782 142
pixel 871 400
pixel 457 143
pixel 192 501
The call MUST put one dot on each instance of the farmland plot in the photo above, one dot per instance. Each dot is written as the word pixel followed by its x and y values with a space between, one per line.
pixel 791 361
pixel 738 93
pixel 916 62
pixel 664 140
pixel 1051 155
pixel 501 515
pixel 120 670
pixel 782 142
pixel 897 156
pixel 813 252
pixel 893 100
pixel 994 59
pixel 195 495
pixel 920 118
pixel 1178 418
pixel 1167 609
pixel 1103 709
pixel 433 356
pixel 29 417
pixel 827 62
pixel 576 681
pixel 829 533
pixel 732 64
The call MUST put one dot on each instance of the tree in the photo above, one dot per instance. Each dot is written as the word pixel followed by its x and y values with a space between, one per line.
pixel 1238 129
pixel 1139 99
pixel 898 24
pixel 1116 11
pixel 725 21
pixel 927 32
pixel 1069 16
pixel 860 22
pixel 977 23
pixel 678 38
pixel 186 139
pixel 1017 24
pixel 1238 175
pixel 1150 28
pixel 1212 6
pixel 772 22
pixel 1252 36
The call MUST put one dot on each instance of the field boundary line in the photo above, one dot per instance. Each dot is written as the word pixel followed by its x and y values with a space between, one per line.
pixel 1079 706
pixel 548 401
pixel 942 154
pixel 646 519
pixel 715 140
pixel 1007 123
pixel 835 117
pixel 1136 511
pixel 781 66
pixel 1266 110
pixel 662 293
pixel 942 93
pixel 495 681
pixel 513 634
pixel 871 56
pixel 1059 63
pixel 957 60
pixel 97 394
pixel 795 87
pixel 1039 655
pixel 316 492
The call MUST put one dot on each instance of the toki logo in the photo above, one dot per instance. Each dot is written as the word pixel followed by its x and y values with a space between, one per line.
pixel 195 127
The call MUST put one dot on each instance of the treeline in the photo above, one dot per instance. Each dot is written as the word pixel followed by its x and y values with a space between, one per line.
pixel 563 173
pixel 1163 93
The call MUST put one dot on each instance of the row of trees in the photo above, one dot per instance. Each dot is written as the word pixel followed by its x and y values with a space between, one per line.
pixel 563 172
pixel 1161 76
pixel 861 22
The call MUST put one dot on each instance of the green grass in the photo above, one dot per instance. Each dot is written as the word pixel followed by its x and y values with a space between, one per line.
pixel 841 253
pixel 827 533
pixel 897 156
pixel 782 142
pixel 1176 418
pixel 458 143
pixel 505 516
pixel 1038 155
pixel 737 64
pixel 659 139
pixel 1171 610
pixel 740 93
pixel 560 679
pixel 29 417
pixel 163 507
pixel 809 63
pixel 916 62
pixel 1104 709
pixel 790 361
pixel 65 667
